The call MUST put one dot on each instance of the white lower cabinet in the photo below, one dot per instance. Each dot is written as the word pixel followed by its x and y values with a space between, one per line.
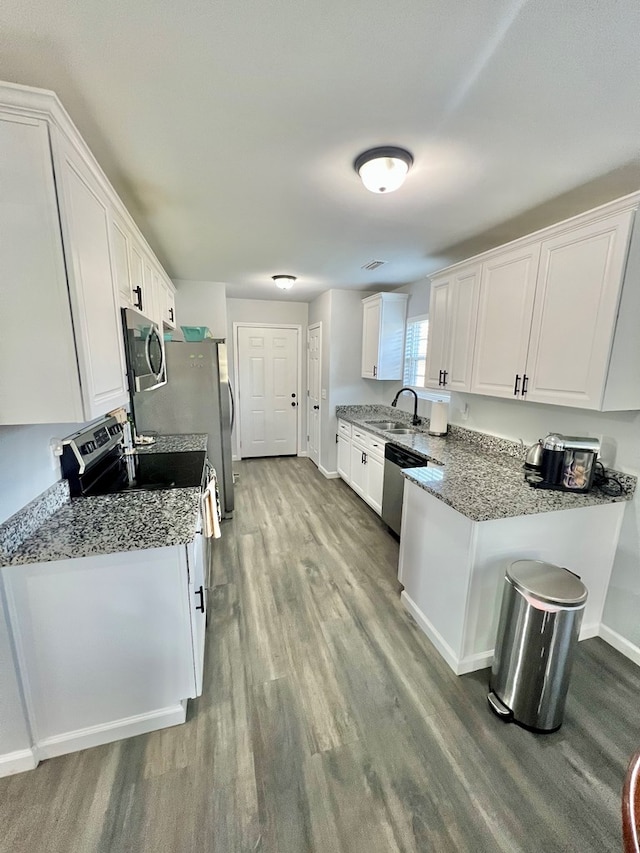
pixel 108 646
pixel 344 457
pixel 361 463
pixel 452 568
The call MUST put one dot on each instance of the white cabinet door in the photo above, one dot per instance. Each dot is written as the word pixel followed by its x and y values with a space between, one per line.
pixel 39 382
pixel 136 267
pixel 438 332
pixel 95 308
pixel 507 291
pixel 375 479
pixel 358 480
pixel 169 317
pixel 344 458
pixel 465 292
pixel 100 642
pixel 120 260
pixel 371 318
pixel 575 313
pixel 198 607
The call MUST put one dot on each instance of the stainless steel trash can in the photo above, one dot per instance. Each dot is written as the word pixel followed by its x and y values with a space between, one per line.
pixel 542 607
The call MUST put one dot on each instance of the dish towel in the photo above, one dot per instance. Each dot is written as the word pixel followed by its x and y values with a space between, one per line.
pixel 211 514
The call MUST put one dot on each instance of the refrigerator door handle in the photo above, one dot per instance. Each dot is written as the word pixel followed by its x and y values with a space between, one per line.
pixel 233 406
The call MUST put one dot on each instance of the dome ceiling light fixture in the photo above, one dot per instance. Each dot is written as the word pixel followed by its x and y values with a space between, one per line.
pixel 383 170
pixel 284 282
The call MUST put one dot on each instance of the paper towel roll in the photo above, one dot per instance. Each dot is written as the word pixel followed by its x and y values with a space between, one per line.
pixel 439 418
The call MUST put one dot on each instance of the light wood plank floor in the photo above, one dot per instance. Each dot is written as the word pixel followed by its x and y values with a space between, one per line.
pixel 329 723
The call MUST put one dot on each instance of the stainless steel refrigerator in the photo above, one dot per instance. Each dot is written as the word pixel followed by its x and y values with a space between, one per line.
pixel 197 397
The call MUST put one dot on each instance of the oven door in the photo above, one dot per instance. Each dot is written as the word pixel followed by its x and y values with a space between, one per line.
pixel 144 346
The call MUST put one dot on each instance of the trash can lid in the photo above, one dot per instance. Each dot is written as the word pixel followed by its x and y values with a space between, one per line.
pixel 547 582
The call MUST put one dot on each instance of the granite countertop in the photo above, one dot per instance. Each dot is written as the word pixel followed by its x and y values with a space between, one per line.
pixel 175 443
pixel 478 475
pixel 106 524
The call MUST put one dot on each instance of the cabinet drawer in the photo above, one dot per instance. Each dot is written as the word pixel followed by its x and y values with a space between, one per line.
pixel 375 444
pixel 368 441
pixel 344 429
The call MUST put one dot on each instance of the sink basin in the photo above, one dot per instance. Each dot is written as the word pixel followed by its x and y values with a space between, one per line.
pixel 403 431
pixel 386 426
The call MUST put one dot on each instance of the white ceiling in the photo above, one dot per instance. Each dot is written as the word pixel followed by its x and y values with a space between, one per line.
pixel 229 127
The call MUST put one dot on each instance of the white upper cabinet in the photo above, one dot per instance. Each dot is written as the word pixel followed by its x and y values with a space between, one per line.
pixel 383 331
pixel 38 368
pixel 95 307
pixel 453 309
pixel 437 342
pixel 556 316
pixel 71 256
pixel 136 265
pixel 119 239
pixel 507 291
pixel 575 313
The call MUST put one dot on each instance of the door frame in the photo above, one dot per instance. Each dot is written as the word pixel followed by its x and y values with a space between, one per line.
pixel 236 376
pixel 311 328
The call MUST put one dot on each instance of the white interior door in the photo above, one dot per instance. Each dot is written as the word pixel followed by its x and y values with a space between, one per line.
pixel 268 391
pixel 314 355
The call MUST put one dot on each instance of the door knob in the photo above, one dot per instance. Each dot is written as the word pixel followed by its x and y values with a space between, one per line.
pixel 293 403
pixel 293 395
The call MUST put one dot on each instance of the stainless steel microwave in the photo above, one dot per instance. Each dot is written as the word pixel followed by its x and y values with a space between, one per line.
pixel 144 348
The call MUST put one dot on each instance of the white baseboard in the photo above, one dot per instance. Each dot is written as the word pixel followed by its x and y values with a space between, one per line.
pixel 303 453
pixel 436 638
pixel 589 631
pixel 109 732
pixel 235 458
pixel 481 660
pixel 624 646
pixel 17 762
pixel 330 475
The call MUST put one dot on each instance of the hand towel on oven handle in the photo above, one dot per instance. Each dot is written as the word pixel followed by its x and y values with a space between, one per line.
pixel 211 514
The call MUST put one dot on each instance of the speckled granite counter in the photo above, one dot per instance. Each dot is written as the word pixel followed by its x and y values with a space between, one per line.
pixel 107 524
pixel 175 443
pixel 478 475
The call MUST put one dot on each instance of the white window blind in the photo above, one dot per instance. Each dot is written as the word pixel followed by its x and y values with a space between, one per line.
pixel 415 352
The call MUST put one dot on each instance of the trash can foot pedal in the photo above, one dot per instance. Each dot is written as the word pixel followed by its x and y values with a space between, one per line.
pixel 499 708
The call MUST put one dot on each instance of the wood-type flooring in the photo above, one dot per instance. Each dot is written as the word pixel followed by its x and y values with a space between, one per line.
pixel 328 721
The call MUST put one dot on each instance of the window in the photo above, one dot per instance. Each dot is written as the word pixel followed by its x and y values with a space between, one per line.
pixel 415 351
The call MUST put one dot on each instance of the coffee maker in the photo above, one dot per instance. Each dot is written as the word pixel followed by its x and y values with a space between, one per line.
pixel 568 463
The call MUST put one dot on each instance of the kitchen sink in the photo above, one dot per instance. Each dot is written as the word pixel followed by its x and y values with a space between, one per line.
pixel 403 431
pixel 386 426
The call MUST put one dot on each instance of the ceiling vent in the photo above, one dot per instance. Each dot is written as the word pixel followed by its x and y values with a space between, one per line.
pixel 372 265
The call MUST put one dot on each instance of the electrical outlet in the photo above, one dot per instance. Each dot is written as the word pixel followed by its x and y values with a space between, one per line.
pixel 55 445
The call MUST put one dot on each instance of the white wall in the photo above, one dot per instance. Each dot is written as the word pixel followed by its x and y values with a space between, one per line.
pixel 620 433
pixel 269 313
pixel 26 463
pixel 202 303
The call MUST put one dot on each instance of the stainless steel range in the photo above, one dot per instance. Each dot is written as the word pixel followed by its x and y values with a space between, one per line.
pixel 94 463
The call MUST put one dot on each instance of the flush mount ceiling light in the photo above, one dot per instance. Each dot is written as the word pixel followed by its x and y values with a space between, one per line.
pixel 383 170
pixel 284 282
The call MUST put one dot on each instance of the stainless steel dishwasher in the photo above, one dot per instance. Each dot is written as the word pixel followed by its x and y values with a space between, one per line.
pixel 396 459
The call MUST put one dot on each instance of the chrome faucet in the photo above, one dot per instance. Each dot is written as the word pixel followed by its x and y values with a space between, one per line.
pixel 415 420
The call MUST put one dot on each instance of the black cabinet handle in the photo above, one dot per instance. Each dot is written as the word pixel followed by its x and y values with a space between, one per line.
pixel 364 458
pixel 294 404
pixel 525 383
pixel 445 373
pixel 171 317
pixel 439 377
pixel 200 606
pixel 138 302
pixel 516 387
pixel 336 438
pixel 375 370
pixel 316 407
